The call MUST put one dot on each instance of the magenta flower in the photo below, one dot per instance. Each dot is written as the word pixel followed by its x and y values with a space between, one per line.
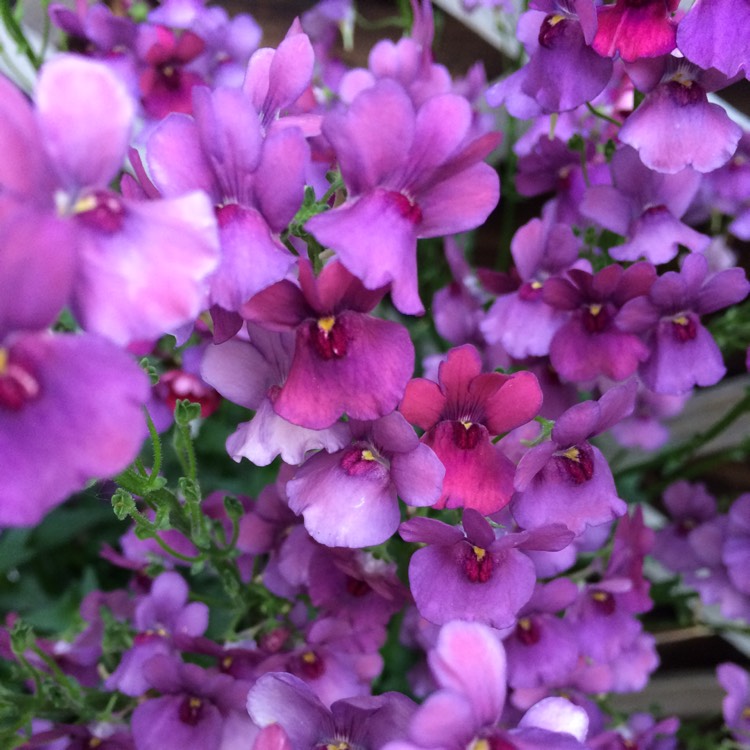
pixel 636 28
pixel 252 373
pixel 409 174
pixel 459 414
pixel 165 80
pixel 345 361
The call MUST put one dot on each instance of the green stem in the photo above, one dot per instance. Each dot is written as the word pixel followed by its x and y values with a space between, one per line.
pixel 683 452
pixel 16 33
pixel 594 111
pixel 174 553
pixel 155 444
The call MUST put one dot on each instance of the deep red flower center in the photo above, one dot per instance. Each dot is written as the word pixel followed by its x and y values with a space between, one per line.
pixel 356 587
pixel 595 317
pixel 329 337
pixel 528 631
pixel 603 602
pixel 361 460
pixel 684 328
pixel 531 291
pixel 466 435
pixel 551 29
pixel 477 564
pixel 190 710
pixel 406 206
pixel 310 665
pixel 578 462
pixel 101 210
pixel 18 386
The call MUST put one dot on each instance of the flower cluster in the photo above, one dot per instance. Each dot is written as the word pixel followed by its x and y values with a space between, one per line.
pixel 259 227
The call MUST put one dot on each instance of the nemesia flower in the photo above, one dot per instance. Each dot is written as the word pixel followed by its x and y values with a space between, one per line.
pixel 474 573
pixel 682 351
pixel 636 28
pixel 459 414
pixel 712 35
pixel 197 708
pixel 563 70
pixel 468 663
pixel 127 251
pixel 276 79
pixel 689 506
pixel 70 411
pixel 161 619
pixel 366 721
pixel 675 126
pixel 591 343
pixel 165 81
pixel 349 498
pixel 345 361
pixel 408 61
pixel 566 479
pixel 255 182
pixel 542 649
pixel 736 553
pixel 409 173
pixel 736 703
pixel 520 321
pixel 252 373
pixel 645 207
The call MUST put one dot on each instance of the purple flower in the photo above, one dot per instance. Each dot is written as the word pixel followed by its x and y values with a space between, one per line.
pixel 542 650
pixel 592 343
pixel 345 361
pixel 163 620
pixel 645 207
pixel 198 708
pixel 127 251
pixel 459 414
pixel 736 704
pixel 70 410
pixel 682 351
pixel 350 498
pixel 566 479
pixel 736 553
pixel 712 35
pixel 409 174
pixel 366 721
pixel 255 181
pixel 468 663
pixel 521 321
pixel 474 573
pixel 563 71
pixel 676 126
pixel 689 506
